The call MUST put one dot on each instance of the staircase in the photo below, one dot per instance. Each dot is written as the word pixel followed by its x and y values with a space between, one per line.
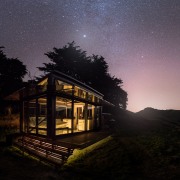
pixel 45 149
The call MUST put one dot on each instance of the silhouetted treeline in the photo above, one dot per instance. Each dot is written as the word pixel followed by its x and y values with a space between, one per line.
pixel 12 71
pixel 92 70
pixel 71 60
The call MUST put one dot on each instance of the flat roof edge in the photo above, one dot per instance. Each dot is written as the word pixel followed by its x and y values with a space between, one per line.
pixel 77 82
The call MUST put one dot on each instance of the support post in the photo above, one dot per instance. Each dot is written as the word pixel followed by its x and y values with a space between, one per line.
pixel 51 107
pixel 21 123
pixel 72 112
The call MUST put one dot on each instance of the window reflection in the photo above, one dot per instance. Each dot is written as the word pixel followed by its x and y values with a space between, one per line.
pixel 63 115
pixel 42 86
pixel 63 87
pixel 79 92
pixel 36 116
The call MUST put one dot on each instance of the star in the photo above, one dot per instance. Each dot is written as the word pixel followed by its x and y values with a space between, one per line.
pixel 84 36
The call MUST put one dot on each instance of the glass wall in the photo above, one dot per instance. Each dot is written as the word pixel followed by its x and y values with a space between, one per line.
pixel 83 116
pixel 63 116
pixel 42 116
pixel 42 86
pixel 72 113
pixel 33 88
pixel 79 116
pixel 63 87
pixel 35 116
pixel 79 92
pixel 31 116
pixel 90 97
pixel 90 117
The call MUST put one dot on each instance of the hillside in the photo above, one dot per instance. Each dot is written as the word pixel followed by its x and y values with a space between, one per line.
pixel 140 148
pixel 143 145
pixel 165 117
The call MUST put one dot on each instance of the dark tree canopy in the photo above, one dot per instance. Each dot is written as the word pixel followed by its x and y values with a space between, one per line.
pixel 91 70
pixel 12 72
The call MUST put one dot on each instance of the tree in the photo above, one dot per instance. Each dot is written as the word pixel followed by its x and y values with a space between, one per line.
pixel 68 60
pixel 12 72
pixel 92 70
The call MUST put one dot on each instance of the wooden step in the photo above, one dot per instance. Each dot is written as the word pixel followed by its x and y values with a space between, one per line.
pixel 57 161
pixel 46 150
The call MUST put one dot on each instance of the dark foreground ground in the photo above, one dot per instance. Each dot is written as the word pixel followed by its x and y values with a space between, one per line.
pixel 15 166
pixel 139 148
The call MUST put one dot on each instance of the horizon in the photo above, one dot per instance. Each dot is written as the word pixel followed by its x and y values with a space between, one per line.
pixel 140 41
pixel 156 109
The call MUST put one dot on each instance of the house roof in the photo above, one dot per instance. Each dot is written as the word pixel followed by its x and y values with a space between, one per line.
pixel 74 81
pixel 61 76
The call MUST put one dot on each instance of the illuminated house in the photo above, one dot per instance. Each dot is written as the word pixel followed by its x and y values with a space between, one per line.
pixel 54 108
pixel 59 104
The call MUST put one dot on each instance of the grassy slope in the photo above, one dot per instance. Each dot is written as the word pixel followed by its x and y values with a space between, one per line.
pixel 14 165
pixel 139 148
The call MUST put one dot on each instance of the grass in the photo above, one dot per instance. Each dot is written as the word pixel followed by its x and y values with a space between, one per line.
pixel 14 165
pixel 140 157
pixel 136 150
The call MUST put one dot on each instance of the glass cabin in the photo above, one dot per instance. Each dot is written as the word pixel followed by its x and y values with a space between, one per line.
pixel 59 104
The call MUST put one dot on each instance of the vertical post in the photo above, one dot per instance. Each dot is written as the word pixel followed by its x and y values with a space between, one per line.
pixel 72 112
pixel 85 111
pixel 21 125
pixel 72 116
pixel 94 113
pixel 85 116
pixel 100 117
pixel 21 122
pixel 27 117
pixel 37 115
pixel 51 107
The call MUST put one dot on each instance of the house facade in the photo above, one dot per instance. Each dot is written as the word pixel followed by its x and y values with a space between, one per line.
pixel 57 105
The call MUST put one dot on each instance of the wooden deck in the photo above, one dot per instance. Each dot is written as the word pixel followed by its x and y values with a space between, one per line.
pixel 80 141
pixel 57 151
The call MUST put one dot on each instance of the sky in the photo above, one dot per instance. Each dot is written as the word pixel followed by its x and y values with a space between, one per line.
pixel 139 39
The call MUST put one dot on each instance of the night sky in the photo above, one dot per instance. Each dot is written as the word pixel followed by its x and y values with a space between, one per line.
pixel 140 40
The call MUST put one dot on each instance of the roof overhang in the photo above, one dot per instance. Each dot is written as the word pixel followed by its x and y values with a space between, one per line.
pixel 107 103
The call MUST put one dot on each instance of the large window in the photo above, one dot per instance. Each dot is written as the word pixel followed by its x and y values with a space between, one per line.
pixel 35 116
pixel 63 87
pixel 79 92
pixel 90 97
pixel 42 116
pixel 31 118
pixel 79 116
pixel 42 86
pixel 63 116
pixel 90 117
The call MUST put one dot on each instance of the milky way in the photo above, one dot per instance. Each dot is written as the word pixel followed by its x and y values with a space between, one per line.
pixel 140 40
